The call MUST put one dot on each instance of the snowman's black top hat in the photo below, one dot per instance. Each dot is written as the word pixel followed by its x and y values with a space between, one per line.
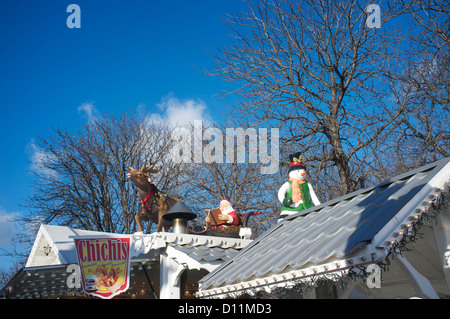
pixel 296 160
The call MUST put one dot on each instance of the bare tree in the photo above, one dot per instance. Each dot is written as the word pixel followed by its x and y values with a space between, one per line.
pixel 7 275
pixel 203 184
pixel 242 184
pixel 317 71
pixel 426 119
pixel 81 179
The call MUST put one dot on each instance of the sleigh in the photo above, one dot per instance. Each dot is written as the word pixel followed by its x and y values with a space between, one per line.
pixel 216 227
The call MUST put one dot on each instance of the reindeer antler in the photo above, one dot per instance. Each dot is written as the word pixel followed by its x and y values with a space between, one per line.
pixel 150 169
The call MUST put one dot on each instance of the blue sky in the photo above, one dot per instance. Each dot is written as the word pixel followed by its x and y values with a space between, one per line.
pixel 136 55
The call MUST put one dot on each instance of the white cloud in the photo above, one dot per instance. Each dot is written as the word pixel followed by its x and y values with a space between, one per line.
pixel 88 110
pixel 39 159
pixel 175 112
pixel 7 228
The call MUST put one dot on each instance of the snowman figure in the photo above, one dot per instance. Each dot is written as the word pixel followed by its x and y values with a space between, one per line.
pixel 296 194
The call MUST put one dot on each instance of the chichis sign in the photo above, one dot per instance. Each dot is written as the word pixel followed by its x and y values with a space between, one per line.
pixel 104 265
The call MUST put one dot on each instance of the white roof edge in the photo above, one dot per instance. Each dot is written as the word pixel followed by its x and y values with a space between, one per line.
pixel 144 243
pixel 224 242
pixel 433 187
pixel 365 257
pixel 281 280
pixel 33 248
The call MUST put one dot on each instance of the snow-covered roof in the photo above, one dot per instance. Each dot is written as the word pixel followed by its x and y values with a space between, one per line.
pixel 54 245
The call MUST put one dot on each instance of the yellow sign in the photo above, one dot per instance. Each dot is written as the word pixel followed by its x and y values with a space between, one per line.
pixel 104 265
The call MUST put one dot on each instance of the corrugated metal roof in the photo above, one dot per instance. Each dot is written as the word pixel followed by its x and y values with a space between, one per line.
pixel 201 253
pixel 338 229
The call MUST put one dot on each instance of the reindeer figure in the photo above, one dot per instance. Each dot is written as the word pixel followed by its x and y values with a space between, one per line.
pixel 154 206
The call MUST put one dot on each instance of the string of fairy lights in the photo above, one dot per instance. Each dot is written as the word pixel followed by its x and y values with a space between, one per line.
pixel 412 230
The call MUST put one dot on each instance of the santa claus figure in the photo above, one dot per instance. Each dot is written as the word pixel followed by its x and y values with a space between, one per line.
pixel 228 215
pixel 296 194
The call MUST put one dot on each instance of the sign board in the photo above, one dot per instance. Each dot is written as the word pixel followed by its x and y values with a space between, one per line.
pixel 104 265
